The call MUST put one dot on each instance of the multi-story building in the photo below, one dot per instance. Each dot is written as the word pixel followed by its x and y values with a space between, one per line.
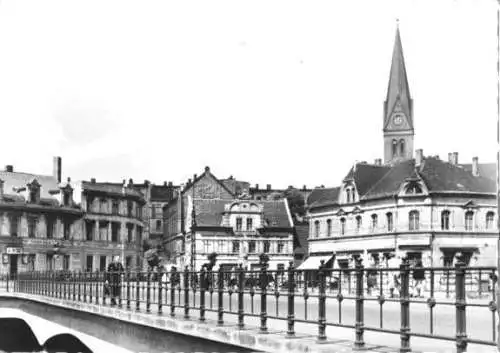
pixel 419 206
pixel 206 217
pixel 40 223
pixel 112 223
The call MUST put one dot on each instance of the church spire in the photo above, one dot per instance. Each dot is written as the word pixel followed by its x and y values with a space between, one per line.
pixel 398 110
pixel 398 90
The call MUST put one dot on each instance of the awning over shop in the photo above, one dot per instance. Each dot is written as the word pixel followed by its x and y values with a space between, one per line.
pixel 313 262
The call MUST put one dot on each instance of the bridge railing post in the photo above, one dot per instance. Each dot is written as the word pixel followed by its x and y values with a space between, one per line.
pixel 220 296
pixel 359 342
pixel 173 282
pixel 84 289
pixel 460 304
pixel 98 282
pixel 291 301
pixel 186 292
pixel 405 306
pixel 263 297
pixel 127 278
pixel 160 291
pixel 148 291
pixel 203 287
pixel 105 287
pixel 74 279
pixel 322 303
pixel 241 292
pixel 137 291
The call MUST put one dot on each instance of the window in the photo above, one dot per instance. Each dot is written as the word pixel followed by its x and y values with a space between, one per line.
pixel 359 222
pixel 115 207
pixel 130 207
pixel 316 229
pixel 348 195
pixel 138 211
pixel 89 225
pixel 389 222
pixel 115 227
pixel 251 246
pixel 445 220
pixel 51 223
pixel 103 231
pixel 413 220
pixel 329 227
pixel 31 262
pixel 401 147
pixel 374 222
pixel 32 222
pixel 239 224
pixel 489 220
pixel 281 247
pixel 342 226
pixel 394 148
pixel 158 225
pixel 469 217
pixel 130 235
pixel 249 223
pixel 66 263
pixel 90 202
pixel 206 246
pixel 128 262
pixel 50 262
pixel 267 246
pixel 102 263
pixel 89 263
pixel 220 246
pixel 448 257
pixel 66 229
pixel 153 212
pixel 66 198
pixel 280 268
pixel 104 206
pixel 14 224
pixel 413 189
pixel 139 235
pixel 236 246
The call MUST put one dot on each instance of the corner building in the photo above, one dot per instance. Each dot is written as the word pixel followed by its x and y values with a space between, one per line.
pixel 412 204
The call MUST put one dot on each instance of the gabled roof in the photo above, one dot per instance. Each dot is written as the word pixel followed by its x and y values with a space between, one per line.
pixel 16 180
pixel 209 212
pixel 205 173
pixel 398 87
pixel 323 196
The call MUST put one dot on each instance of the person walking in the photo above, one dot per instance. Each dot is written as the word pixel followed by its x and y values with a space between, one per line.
pixel 114 277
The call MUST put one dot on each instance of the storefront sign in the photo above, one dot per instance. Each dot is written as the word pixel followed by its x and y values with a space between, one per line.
pixel 14 251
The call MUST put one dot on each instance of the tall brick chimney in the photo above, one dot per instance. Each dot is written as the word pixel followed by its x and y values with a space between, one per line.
pixel 419 157
pixel 475 166
pixel 57 169
pixel 268 186
pixel 450 158
pixel 454 158
pixel 9 168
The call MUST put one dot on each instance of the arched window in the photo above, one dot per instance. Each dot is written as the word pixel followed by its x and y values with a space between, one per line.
pixel 394 148
pixel 348 195
pixel 413 189
pixel 342 226
pixel 469 218
pixel 359 223
pixel 414 220
pixel 489 220
pixel 401 147
pixel 329 227
pixel 374 222
pixel 389 222
pixel 316 229
pixel 445 220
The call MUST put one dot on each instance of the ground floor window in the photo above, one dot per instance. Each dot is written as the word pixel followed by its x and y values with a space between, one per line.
pixel 66 262
pixel 89 263
pixel 50 262
pixel 102 263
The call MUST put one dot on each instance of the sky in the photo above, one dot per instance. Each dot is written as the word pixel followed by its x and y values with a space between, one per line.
pixel 272 92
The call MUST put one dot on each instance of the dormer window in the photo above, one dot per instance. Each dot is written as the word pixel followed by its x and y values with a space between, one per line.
pixel 413 189
pixel 239 224
pixel 34 191
pixel 349 195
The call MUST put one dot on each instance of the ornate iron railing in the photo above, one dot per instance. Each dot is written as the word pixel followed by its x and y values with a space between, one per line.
pixel 363 299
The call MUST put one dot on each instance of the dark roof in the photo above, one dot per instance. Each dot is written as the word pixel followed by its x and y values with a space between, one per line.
pixel 323 196
pixel 236 186
pixel 390 183
pixel 442 176
pixel 112 188
pixel 302 233
pixel 487 170
pixel 209 212
pixel 16 180
pixel 366 175
pixel 162 193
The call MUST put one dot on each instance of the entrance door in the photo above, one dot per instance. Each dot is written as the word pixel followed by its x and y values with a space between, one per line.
pixel 13 266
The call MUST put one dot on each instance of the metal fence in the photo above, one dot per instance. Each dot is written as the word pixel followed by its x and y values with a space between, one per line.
pixel 363 299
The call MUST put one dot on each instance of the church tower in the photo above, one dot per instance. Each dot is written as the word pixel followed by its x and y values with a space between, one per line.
pixel 398 110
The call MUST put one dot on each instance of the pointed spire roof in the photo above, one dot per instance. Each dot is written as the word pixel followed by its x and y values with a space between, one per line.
pixel 398 88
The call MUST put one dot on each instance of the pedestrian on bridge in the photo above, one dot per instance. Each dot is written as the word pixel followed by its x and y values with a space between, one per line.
pixel 114 278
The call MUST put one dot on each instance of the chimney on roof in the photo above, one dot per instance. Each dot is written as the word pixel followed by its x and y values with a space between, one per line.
pixel 189 182
pixel 130 182
pixel 475 166
pixel 69 180
pixel 419 157
pixel 231 177
pixel 57 170
pixel 304 187
pixel 256 186
pixel 322 186
pixel 170 183
pixel 195 176
pixel 9 168
pixel 450 158
pixel 290 187
pixel 92 180
pixel 378 161
pixel 455 158
pixel 268 186
pixel 164 183
pixel 146 182
pixel 207 169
